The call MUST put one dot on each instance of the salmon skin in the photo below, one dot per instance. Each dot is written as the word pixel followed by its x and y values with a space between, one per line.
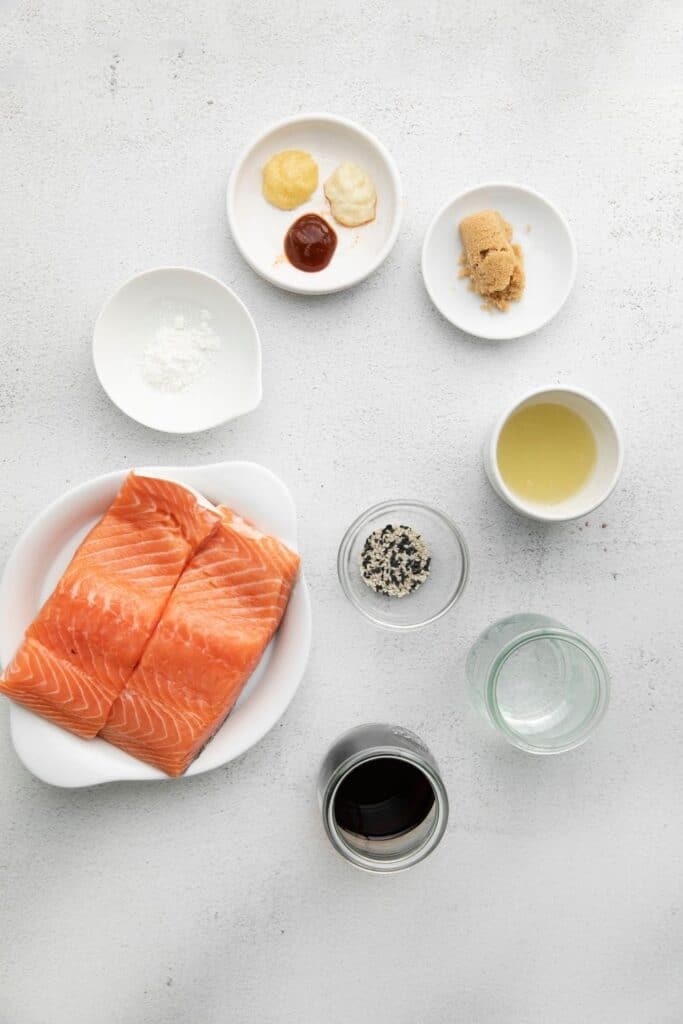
pixel 82 648
pixel 221 616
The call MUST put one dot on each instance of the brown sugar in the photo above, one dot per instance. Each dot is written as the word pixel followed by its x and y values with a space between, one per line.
pixel 493 263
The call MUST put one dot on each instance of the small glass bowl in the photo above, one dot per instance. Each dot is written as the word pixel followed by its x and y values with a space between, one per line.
pixel 448 570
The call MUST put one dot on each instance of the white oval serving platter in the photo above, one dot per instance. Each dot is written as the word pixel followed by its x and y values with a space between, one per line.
pixel 38 561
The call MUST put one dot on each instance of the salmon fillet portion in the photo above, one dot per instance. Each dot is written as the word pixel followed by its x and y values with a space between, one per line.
pixel 82 648
pixel 223 613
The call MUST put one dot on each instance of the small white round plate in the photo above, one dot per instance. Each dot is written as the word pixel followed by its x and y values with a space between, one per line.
pixel 259 228
pixel 229 384
pixel 40 558
pixel 549 262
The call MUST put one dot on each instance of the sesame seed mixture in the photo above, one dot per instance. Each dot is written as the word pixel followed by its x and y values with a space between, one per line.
pixel 395 561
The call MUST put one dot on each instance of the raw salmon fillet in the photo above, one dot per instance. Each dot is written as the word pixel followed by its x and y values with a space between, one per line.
pixel 223 613
pixel 90 634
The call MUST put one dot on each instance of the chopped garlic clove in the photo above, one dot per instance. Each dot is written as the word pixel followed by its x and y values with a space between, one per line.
pixel 351 194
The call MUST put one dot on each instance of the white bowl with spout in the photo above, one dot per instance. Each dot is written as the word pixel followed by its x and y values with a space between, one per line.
pixel 178 307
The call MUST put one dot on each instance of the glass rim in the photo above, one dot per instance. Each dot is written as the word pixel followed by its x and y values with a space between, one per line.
pixel 600 702
pixel 350 535
pixel 402 861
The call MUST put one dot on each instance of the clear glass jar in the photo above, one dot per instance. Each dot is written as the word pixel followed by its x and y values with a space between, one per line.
pixel 538 683
pixel 357 749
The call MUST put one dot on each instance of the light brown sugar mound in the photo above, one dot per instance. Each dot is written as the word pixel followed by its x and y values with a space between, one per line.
pixel 490 259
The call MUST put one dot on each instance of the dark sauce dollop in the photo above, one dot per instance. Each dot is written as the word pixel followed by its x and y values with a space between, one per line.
pixel 310 243
pixel 383 798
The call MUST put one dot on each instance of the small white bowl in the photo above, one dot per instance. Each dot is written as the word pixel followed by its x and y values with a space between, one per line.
pixel 549 262
pixel 259 228
pixel 606 471
pixel 229 385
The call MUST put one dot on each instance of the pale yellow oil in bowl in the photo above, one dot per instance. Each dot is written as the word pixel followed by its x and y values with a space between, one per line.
pixel 546 453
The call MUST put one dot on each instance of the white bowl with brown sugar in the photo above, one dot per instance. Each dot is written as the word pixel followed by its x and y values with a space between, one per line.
pixel 510 269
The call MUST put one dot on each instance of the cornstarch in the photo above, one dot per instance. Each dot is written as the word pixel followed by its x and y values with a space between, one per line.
pixel 179 353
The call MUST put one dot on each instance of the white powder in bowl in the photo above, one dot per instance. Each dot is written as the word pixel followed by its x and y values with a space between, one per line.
pixel 179 353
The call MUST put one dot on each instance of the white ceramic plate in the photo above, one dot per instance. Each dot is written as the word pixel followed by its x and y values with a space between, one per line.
pixel 549 262
pixel 259 228
pixel 38 561
pixel 230 383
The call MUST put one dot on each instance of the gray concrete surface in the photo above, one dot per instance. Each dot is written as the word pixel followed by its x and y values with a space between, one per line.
pixel 556 897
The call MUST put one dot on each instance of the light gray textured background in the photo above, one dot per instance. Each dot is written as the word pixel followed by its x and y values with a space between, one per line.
pixel 556 897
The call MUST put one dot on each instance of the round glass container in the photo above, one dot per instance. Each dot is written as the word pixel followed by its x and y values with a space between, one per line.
pixel 447 575
pixel 358 749
pixel 542 686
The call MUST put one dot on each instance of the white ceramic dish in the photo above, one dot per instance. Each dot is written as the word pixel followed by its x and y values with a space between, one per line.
pixel 42 554
pixel 259 228
pixel 606 472
pixel 230 384
pixel 549 261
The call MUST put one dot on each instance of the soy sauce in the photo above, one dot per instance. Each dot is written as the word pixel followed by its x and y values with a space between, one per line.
pixel 383 798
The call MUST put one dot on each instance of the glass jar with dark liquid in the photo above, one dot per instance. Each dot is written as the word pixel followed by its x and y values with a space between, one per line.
pixel 383 801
